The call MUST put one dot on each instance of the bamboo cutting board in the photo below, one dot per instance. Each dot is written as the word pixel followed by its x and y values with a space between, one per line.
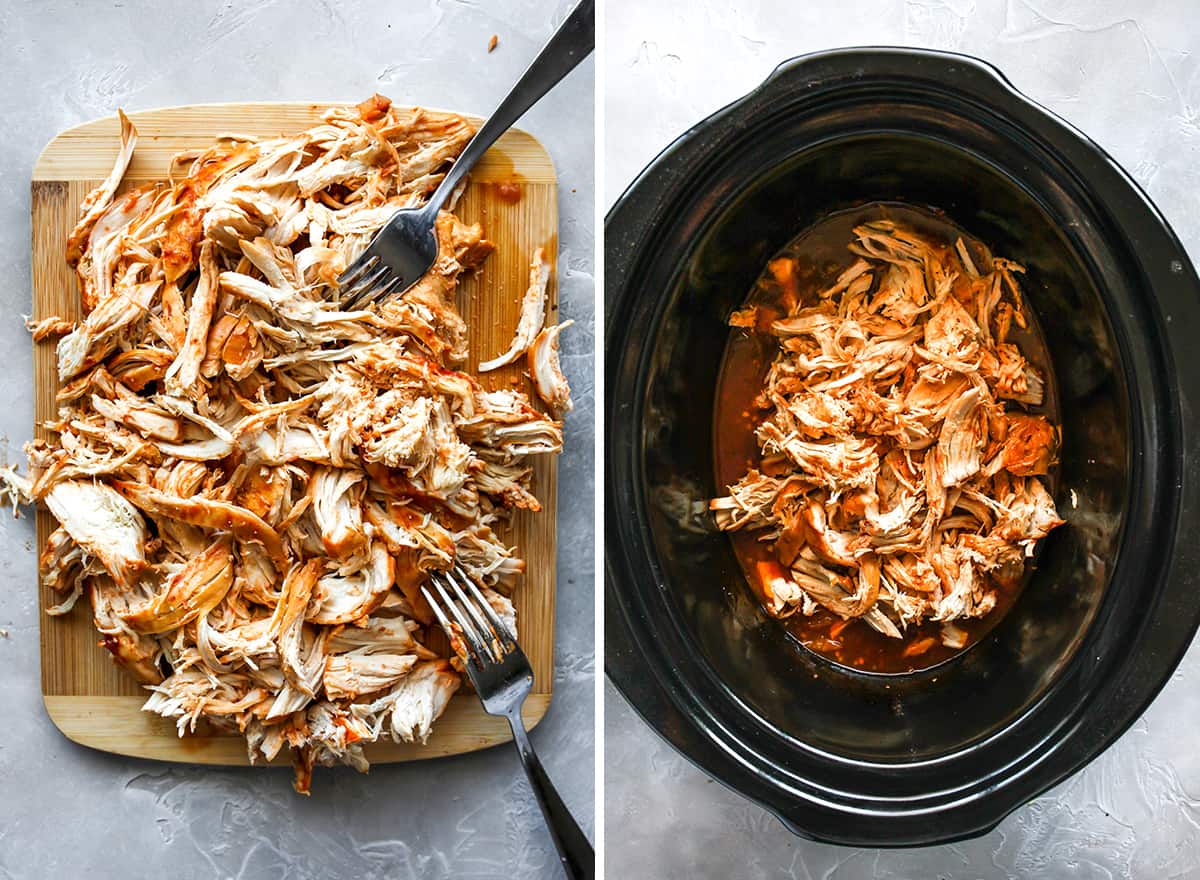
pixel 512 192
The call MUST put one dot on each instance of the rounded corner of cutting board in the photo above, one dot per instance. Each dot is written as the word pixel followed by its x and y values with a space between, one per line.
pixel 53 707
pixel 118 725
pixel 537 152
pixel 534 716
pixel 44 164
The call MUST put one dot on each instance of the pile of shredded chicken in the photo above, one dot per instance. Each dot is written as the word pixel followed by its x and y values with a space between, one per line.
pixel 899 478
pixel 252 483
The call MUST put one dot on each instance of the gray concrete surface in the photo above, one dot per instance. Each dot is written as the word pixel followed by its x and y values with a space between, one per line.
pixel 66 811
pixel 1127 74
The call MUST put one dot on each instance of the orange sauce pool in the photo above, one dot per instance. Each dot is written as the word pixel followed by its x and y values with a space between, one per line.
pixel 821 255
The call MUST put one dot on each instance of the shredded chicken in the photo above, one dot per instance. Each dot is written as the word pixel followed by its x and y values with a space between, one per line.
pixel 252 483
pixel 548 379
pixel 533 312
pixel 48 328
pixel 900 478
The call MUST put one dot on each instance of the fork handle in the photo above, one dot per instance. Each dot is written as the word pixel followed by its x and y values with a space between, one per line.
pixel 572 42
pixel 574 850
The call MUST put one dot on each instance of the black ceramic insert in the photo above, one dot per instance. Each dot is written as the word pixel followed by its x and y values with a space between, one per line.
pixel 941 755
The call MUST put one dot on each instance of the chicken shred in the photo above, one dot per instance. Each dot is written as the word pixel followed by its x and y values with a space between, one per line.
pixel 533 313
pixel 252 483
pixel 900 478
pixel 546 372
pixel 48 328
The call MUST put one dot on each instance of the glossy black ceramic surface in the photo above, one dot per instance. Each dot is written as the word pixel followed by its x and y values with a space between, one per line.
pixel 941 755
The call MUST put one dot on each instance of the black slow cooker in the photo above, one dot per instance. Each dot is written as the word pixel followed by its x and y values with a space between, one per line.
pixel 945 754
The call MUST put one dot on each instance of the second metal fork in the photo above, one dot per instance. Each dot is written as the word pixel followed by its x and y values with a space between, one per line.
pixel 503 678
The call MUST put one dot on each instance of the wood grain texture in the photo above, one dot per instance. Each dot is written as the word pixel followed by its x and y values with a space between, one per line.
pixel 95 703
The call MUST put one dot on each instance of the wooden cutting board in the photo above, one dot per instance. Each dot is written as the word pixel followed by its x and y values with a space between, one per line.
pixel 512 192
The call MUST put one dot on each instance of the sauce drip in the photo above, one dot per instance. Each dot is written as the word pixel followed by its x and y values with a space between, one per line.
pixel 821 255
pixel 508 192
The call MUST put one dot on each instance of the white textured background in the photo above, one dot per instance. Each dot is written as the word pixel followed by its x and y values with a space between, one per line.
pixel 68 812
pixel 1127 74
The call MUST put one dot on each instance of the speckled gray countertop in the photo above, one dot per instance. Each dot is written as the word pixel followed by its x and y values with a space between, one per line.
pixel 1127 74
pixel 66 811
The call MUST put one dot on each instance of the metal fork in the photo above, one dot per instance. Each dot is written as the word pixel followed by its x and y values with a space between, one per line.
pixel 406 246
pixel 502 677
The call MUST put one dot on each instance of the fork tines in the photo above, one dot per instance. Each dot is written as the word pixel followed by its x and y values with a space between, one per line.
pixel 487 636
pixel 367 278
